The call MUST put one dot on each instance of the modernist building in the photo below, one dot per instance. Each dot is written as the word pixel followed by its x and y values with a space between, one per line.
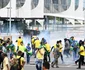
pixel 71 10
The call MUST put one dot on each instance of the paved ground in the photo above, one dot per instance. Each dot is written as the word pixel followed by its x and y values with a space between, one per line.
pixel 61 67
pixel 67 65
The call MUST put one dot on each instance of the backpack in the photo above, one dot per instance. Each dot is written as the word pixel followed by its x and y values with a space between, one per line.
pixel 16 66
pixel 46 65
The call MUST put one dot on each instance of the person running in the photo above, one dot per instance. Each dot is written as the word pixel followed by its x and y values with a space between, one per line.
pixel 74 44
pixel 47 50
pixel 56 54
pixel 39 57
pixel 67 47
pixel 61 55
pixel 82 54
pixel 19 40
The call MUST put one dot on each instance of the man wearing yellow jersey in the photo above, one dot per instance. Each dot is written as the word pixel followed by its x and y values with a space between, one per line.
pixel 60 45
pixel 33 40
pixel 82 54
pixel 39 57
pixel 32 44
pixel 22 47
pixel 19 40
pixel 47 51
pixel 37 43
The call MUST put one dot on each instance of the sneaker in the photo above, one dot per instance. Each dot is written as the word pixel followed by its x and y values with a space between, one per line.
pixel 78 68
pixel 52 66
pixel 75 62
pixel 57 66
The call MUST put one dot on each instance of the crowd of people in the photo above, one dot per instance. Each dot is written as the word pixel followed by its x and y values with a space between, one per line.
pixel 13 59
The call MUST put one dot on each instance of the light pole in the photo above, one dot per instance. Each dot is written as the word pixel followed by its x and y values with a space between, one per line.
pixel 10 19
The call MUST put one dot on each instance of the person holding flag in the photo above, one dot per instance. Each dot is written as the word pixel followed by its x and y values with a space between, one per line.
pixel 29 52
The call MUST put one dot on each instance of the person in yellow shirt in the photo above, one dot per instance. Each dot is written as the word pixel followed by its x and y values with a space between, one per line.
pixel 22 47
pixel 32 44
pixel 19 40
pixel 47 51
pixel 37 43
pixel 33 39
pixel 60 46
pixel 39 57
pixel 82 54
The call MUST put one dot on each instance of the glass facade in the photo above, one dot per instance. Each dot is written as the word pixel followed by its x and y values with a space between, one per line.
pixel 19 3
pixel 76 4
pixel 3 3
pixel 84 5
pixel 55 6
pixel 55 1
pixel 47 4
pixel 34 3
pixel 50 5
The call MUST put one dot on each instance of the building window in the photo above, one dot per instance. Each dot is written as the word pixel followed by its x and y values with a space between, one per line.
pixel 76 4
pixel 3 3
pixel 84 5
pixel 65 4
pixel 20 3
pixel 55 1
pixel 34 3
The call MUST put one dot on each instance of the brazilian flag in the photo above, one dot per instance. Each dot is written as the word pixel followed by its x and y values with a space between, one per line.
pixel 29 52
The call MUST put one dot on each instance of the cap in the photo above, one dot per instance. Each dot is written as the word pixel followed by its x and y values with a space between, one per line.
pixel 28 43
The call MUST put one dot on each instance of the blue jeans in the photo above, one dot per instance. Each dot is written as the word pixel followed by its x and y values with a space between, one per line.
pixel 28 58
pixel 39 64
pixel 75 54
pixel 66 52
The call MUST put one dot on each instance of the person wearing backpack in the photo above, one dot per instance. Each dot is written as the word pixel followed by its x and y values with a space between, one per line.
pixel 74 44
pixel 21 60
pixel 47 50
pixel 18 62
pixel 46 65
pixel 56 55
